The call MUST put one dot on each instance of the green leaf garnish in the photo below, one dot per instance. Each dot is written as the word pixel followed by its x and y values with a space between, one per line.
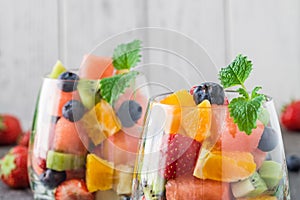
pixel 245 109
pixel 112 87
pixel 126 56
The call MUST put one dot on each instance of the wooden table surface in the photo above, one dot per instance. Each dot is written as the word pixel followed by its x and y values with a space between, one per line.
pixel 291 142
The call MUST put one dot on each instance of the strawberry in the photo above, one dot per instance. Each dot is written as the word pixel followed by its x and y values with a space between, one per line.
pixel 13 168
pixel 290 116
pixel 24 139
pixel 179 154
pixel 73 189
pixel 10 129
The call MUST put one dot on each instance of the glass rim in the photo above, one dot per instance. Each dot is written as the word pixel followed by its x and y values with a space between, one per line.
pixel 154 100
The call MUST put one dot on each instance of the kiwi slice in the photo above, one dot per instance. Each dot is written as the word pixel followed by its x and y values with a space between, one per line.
pixel 63 161
pixel 57 70
pixel 271 172
pixel 89 91
pixel 250 187
pixel 155 191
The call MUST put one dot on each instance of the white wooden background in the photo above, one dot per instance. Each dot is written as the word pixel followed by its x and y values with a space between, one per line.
pixel 35 33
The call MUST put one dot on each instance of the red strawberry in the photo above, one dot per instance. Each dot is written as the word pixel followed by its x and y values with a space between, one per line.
pixel 290 117
pixel 24 139
pixel 179 155
pixel 73 189
pixel 10 129
pixel 14 168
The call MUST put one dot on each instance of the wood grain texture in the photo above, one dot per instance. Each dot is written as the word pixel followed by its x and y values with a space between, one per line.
pixel 28 49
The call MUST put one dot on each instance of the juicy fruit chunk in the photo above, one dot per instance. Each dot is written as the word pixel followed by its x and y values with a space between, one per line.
pixel 72 190
pixel 63 161
pixel 224 166
pixel 250 187
pixel 179 155
pixel 52 178
pixel 99 173
pixel 196 189
pixel 268 140
pixel 259 157
pixel 69 81
pixel 210 91
pixel 107 194
pixel 73 110
pixel 129 113
pixel 123 179
pixel 57 70
pixel 89 92
pixel 66 138
pixel 101 122
pixel 196 123
pixel 271 172
pixel 180 98
pixel 96 67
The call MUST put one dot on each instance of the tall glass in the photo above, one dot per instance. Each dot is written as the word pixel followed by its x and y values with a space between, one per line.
pixel 199 153
pixel 94 146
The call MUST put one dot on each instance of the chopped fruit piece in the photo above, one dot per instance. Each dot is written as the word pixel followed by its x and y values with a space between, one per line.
pixel 57 70
pixel 129 113
pixel 268 140
pixel 38 165
pixel 210 91
pixel 196 189
pixel 196 123
pixel 234 140
pixel 73 110
pixel 179 155
pixel 101 122
pixel 259 157
pixel 123 179
pixel 99 173
pixel 108 194
pixel 66 138
pixel 64 161
pixel 73 189
pixel 263 197
pixel 271 172
pixel 224 166
pixel 180 99
pixel 120 148
pixel 69 81
pixel 76 174
pixel 89 92
pixel 250 187
pixel 52 178
pixel 96 67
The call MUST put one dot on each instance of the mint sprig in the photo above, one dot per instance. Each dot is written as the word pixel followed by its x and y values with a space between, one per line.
pixel 244 109
pixel 126 56
pixel 112 87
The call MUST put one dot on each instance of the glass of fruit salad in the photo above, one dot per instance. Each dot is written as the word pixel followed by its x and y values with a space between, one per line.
pixel 212 143
pixel 86 128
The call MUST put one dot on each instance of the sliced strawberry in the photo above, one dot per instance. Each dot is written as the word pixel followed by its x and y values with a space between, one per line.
pixel 179 155
pixel 73 189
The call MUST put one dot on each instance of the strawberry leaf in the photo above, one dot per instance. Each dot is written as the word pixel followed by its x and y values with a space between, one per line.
pixel 7 164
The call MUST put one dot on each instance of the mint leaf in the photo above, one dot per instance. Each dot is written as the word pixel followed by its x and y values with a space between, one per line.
pixel 111 88
pixel 245 112
pixel 236 73
pixel 126 56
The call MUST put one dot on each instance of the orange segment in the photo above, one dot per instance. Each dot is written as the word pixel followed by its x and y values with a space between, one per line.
pixel 196 123
pixel 99 173
pixel 224 166
pixel 101 122
pixel 178 99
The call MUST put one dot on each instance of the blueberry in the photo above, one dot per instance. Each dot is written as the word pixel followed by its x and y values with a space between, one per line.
pixel 213 92
pixel 293 163
pixel 69 81
pixel 268 140
pixel 52 178
pixel 73 110
pixel 129 112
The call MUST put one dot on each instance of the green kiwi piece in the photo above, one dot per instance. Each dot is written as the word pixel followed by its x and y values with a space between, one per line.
pixel 89 92
pixel 57 70
pixel 64 161
pixel 271 172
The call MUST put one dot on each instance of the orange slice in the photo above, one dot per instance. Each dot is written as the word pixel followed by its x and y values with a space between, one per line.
pixel 99 173
pixel 196 123
pixel 179 99
pixel 224 166
pixel 101 122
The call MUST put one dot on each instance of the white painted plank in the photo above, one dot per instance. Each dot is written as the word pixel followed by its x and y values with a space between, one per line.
pixel 268 32
pixel 28 49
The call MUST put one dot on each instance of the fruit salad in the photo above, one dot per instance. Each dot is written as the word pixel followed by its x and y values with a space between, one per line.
pixel 86 129
pixel 211 143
